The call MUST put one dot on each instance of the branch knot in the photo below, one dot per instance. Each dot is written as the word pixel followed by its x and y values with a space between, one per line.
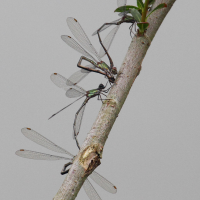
pixel 90 157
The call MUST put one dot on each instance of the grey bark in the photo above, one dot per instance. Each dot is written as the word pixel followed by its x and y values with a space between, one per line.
pixel 88 158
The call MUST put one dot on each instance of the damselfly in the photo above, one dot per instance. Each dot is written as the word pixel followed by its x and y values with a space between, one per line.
pixel 74 91
pixel 41 140
pixel 125 18
pixel 97 65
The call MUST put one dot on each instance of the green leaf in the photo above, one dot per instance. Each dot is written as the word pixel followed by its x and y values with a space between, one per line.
pixel 162 5
pixel 125 8
pixel 140 4
pixel 142 26
pixel 151 2
pixel 136 15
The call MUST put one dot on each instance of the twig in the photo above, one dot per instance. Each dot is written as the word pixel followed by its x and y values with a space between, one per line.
pixel 98 135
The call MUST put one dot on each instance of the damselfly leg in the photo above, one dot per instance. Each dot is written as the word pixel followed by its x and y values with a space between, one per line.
pixel 64 171
pixel 87 68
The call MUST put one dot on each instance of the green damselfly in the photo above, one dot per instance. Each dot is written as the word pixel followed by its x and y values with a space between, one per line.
pixel 74 91
pixel 96 65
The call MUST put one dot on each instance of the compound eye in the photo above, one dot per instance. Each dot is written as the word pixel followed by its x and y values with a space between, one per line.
pixel 101 86
pixel 114 70
pixel 112 80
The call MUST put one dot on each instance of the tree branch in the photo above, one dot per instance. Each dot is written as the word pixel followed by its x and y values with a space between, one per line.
pixel 88 157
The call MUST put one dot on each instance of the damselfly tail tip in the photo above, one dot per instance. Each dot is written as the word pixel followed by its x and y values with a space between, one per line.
pixel 51 116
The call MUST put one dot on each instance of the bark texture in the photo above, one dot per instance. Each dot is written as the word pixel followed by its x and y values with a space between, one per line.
pixel 91 150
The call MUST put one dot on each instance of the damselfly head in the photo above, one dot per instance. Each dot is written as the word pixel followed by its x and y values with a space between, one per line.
pixel 111 79
pixel 101 86
pixel 114 70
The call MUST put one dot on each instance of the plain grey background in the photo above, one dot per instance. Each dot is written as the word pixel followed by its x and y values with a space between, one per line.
pixel 153 150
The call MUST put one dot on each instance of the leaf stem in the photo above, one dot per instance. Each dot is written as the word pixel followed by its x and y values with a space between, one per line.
pixel 144 11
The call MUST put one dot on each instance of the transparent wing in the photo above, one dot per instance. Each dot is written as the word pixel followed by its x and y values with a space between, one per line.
pixel 121 3
pixel 81 36
pixel 90 191
pixel 38 156
pixel 106 26
pixel 102 182
pixel 65 84
pixel 73 44
pixel 123 13
pixel 78 120
pixel 81 74
pixel 74 92
pixel 108 41
pixel 41 140
pixel 59 81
